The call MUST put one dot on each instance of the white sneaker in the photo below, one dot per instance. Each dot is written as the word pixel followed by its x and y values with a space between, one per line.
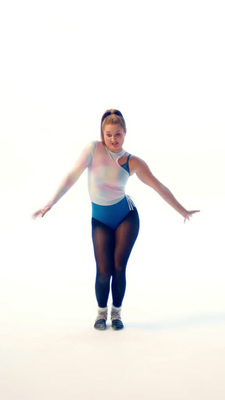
pixel 100 322
pixel 116 318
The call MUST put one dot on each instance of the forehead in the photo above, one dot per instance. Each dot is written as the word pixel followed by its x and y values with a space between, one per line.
pixel 113 128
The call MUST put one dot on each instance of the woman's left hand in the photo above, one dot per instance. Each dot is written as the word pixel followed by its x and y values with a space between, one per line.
pixel 189 214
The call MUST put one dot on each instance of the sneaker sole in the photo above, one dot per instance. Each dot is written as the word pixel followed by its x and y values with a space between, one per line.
pixel 100 325
pixel 117 325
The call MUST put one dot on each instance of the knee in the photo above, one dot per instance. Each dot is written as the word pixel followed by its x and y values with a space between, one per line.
pixel 103 276
pixel 120 264
pixel 120 268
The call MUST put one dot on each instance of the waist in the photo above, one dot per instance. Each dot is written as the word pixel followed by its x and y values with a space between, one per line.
pixel 112 215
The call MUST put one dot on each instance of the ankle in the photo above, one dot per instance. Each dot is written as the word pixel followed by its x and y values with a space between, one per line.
pixel 102 313
pixel 116 313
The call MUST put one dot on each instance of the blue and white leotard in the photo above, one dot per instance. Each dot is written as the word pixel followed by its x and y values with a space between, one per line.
pixel 106 183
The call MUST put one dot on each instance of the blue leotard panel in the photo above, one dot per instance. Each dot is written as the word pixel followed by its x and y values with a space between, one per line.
pixel 113 215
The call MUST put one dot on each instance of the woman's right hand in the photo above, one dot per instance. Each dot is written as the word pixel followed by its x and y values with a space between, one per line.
pixel 42 211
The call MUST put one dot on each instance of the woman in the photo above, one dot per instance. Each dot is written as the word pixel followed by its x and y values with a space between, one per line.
pixel 115 221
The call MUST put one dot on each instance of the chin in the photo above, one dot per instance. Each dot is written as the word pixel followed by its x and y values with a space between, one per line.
pixel 116 149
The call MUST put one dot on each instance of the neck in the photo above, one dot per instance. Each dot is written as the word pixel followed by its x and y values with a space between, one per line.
pixel 114 155
pixel 117 152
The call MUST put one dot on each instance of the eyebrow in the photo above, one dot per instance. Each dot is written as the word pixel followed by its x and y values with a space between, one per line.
pixel 119 131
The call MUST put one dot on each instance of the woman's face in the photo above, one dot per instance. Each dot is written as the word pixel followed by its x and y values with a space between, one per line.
pixel 113 136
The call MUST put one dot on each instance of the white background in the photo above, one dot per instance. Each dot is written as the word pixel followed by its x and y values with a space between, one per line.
pixel 62 65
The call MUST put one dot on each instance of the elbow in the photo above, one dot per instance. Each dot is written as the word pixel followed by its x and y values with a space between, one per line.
pixel 70 181
pixel 162 191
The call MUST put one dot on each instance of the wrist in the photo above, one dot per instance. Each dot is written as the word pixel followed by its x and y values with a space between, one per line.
pixel 184 213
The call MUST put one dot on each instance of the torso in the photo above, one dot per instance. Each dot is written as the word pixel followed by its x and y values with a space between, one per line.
pixel 107 179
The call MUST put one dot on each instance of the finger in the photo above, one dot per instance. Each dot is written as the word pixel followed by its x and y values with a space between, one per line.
pixel 187 218
pixel 36 214
pixel 44 211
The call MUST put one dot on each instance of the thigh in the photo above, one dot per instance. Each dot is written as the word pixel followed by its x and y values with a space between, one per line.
pixel 104 245
pixel 126 235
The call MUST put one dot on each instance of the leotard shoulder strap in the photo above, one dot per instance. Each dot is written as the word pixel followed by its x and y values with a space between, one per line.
pixel 126 164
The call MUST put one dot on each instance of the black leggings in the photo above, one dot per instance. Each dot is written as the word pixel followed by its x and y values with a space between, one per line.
pixel 112 249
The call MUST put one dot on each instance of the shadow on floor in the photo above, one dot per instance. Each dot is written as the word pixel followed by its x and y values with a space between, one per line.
pixel 182 322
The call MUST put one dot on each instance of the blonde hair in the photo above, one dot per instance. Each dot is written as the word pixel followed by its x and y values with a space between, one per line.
pixel 112 117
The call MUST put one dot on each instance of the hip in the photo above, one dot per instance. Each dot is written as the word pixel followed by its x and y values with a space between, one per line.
pixel 113 215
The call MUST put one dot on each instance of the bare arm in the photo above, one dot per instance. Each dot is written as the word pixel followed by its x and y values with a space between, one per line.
pixel 143 172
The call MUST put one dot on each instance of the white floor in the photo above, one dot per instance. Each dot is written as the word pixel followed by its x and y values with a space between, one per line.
pixel 173 344
pixel 181 360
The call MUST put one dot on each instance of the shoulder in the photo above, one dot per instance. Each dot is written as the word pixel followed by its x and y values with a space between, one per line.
pixel 95 149
pixel 90 147
pixel 136 163
pixel 88 152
